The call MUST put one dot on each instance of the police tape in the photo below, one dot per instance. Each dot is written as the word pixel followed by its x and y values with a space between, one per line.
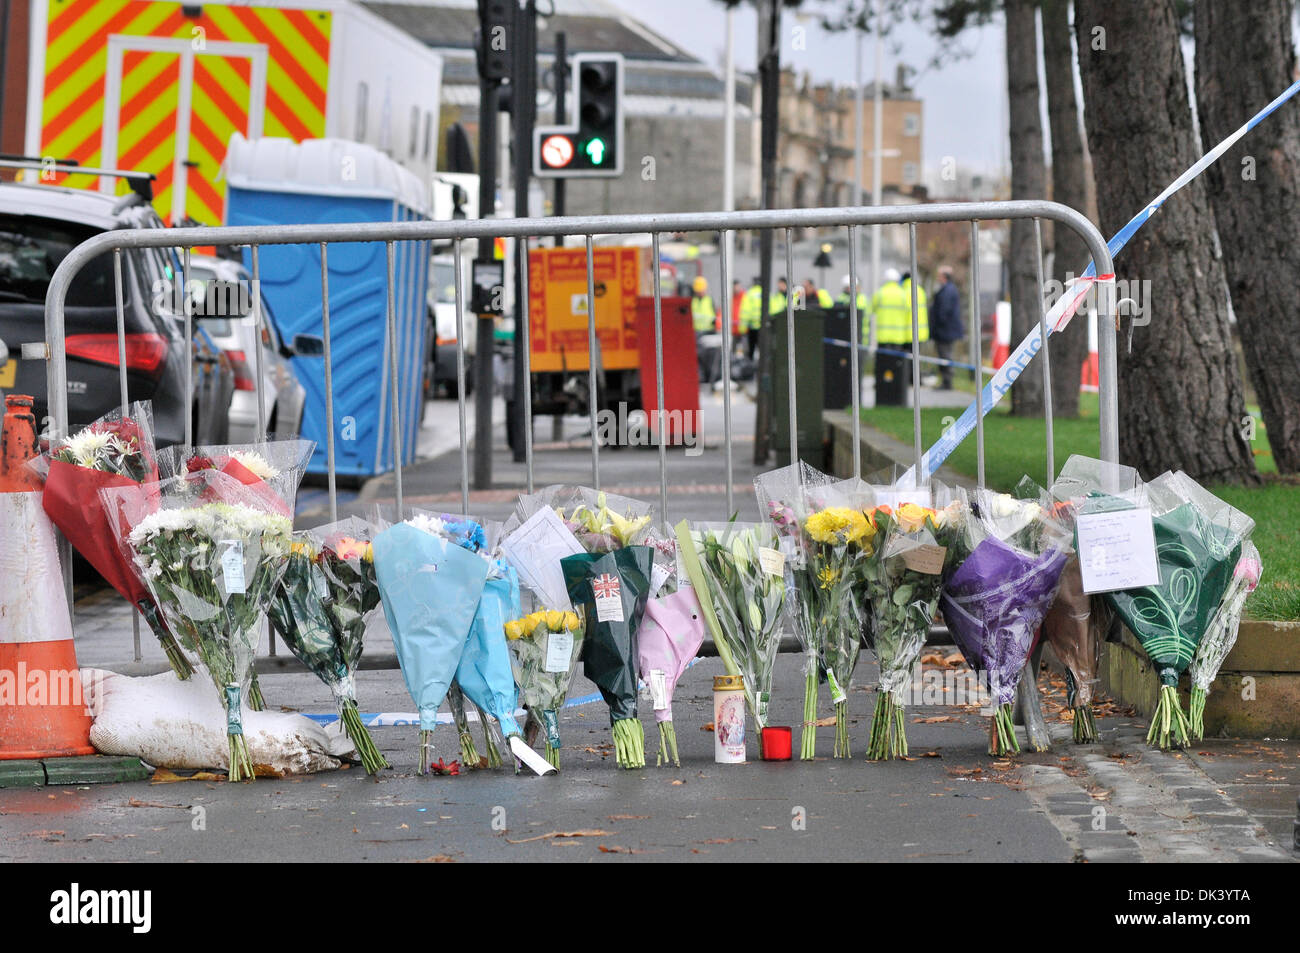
pixel 1066 306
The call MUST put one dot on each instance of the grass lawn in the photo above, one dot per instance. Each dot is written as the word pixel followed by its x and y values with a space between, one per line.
pixel 1016 446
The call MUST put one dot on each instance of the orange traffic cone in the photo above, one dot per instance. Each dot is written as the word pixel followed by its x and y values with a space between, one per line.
pixel 43 712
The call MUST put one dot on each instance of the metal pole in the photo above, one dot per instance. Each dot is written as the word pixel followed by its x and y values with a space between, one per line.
pixel 854 370
pixel 121 374
pixel 877 149
pixel 524 327
pixel 523 105
pixel 977 332
pixel 659 386
pixel 726 365
pixel 396 413
pixel 258 361
pixel 916 350
pixel 1044 356
pixel 189 348
pixel 728 244
pixel 460 381
pixel 592 395
pixel 769 71
pixel 329 379
pixel 561 72
pixel 789 344
pixel 485 323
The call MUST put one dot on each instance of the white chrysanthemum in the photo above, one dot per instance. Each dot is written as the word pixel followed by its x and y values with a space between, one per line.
pixel 430 524
pixel 88 447
pixel 256 464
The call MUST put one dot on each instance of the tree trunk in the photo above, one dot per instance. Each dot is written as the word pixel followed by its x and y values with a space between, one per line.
pixel 1028 181
pixel 1070 174
pixel 1180 390
pixel 1244 57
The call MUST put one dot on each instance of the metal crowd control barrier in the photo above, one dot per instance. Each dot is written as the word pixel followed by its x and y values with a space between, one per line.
pixel 524 229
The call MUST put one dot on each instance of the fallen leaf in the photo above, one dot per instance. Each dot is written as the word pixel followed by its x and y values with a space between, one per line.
pixel 623 850
pixel 934 720
pixel 627 817
pixel 930 754
pixel 678 782
pixel 826 722
pixel 547 836
pixel 166 776
pixel 136 802
pixel 708 726
pixel 437 859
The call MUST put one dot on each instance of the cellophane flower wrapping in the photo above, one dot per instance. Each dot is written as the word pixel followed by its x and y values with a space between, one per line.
pixel 1221 636
pixel 117 450
pixel 429 586
pixel 841 538
pixel 212 568
pixel 612 589
pixel 783 499
pixel 601 521
pixel 743 570
pixel 484 673
pixel 320 610
pixel 545 647
pixel 1198 545
pixel 671 633
pixel 994 602
pixel 665 578
pixel 906 552
pixel 271 469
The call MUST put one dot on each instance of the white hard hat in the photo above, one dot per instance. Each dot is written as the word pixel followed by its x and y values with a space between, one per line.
pixel 847 281
pixel 891 274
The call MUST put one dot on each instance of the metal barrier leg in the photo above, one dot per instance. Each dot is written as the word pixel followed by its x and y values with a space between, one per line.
pixel 789 339
pixel 977 334
pixel 659 384
pixel 259 429
pixel 396 438
pixel 727 345
pixel 916 356
pixel 1045 355
pixel 329 381
pixel 460 381
pixel 523 325
pixel 854 335
pixel 125 401
pixel 592 396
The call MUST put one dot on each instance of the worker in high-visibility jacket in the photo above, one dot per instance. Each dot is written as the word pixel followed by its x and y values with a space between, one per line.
pixel 751 311
pixel 892 307
pixel 814 297
pixel 703 315
pixel 844 298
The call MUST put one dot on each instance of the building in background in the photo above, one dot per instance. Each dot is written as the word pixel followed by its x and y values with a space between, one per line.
pixel 673 103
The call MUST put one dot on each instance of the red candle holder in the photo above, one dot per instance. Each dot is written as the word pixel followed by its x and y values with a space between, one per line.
pixel 776 743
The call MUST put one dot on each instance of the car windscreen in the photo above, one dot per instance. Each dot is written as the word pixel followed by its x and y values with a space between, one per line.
pixel 31 248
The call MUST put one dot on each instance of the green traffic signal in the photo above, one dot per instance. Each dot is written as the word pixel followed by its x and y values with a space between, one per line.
pixel 595 150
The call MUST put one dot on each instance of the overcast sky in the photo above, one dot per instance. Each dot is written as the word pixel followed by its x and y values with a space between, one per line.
pixel 965 101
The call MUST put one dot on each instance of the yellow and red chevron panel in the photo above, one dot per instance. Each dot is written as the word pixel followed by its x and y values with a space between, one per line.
pixel 297 42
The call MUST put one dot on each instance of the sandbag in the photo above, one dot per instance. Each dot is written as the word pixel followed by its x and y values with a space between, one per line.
pixel 173 724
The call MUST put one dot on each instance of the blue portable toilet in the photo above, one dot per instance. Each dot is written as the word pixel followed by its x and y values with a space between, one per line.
pixel 282 182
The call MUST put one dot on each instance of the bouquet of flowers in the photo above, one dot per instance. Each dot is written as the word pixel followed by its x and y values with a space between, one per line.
pixel 545 646
pixel 740 574
pixel 320 609
pixel 612 589
pixel 1221 636
pixel 906 552
pixel 271 469
pixel 670 635
pixel 601 521
pixel 995 600
pixel 484 673
pixel 212 568
pixel 430 586
pixel 114 451
pixel 1199 542
pixel 784 498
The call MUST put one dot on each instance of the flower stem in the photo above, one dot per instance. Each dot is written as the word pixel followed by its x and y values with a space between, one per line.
pixel 553 756
pixel 371 759
pixel 1085 727
pixel 1169 727
pixel 468 753
pixel 888 734
pixel 1196 714
pixel 667 744
pixel 255 700
pixel 1002 733
pixel 629 743
pixel 493 753
pixel 426 751
pixel 808 737
pixel 241 765
pixel 842 730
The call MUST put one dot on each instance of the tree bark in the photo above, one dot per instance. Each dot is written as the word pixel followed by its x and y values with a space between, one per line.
pixel 1180 391
pixel 1070 172
pixel 1028 181
pixel 1244 57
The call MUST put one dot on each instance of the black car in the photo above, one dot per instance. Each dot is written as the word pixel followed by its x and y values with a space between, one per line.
pixel 39 226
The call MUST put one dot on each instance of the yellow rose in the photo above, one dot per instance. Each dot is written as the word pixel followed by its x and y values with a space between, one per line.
pixel 514 630
pixel 555 620
pixel 572 622
pixel 301 549
pixel 911 517
pixel 527 624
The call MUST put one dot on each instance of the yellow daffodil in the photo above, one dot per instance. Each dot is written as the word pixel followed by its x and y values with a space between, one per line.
pixel 827 577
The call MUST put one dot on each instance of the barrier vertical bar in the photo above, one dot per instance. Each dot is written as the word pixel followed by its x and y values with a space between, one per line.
pixel 122 394
pixel 916 351
pixel 524 322
pixel 977 332
pixel 789 341
pixel 460 379
pixel 189 347
pixel 659 383
pixel 259 431
pixel 330 475
pixel 854 340
pixel 591 362
pixel 396 412
pixel 727 344
pixel 1045 356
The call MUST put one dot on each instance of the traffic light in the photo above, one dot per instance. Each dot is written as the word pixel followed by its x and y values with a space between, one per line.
pixel 591 145
pixel 491 46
